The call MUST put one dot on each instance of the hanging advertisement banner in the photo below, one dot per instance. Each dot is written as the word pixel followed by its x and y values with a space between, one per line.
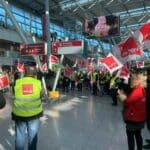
pixel 4 82
pixel 67 47
pixel 33 49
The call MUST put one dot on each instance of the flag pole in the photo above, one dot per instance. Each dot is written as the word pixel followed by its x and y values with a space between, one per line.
pixel 58 73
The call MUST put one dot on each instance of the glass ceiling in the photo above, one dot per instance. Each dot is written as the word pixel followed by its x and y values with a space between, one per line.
pixel 69 3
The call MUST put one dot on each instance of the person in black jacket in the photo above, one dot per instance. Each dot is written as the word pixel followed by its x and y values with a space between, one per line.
pixel 148 108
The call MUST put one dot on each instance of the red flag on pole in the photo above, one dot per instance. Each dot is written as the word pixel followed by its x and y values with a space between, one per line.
pixel 20 67
pixel 68 71
pixel 143 34
pixel 54 59
pixel 76 63
pixel 111 63
pixel 44 67
pixel 140 64
pixel 127 50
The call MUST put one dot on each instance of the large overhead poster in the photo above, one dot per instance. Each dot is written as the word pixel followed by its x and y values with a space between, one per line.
pixel 69 47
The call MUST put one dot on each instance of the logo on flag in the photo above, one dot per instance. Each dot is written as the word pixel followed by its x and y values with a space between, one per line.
pixel 4 81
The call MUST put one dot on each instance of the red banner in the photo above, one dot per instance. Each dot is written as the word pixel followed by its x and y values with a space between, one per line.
pixel 111 63
pixel 44 67
pixel 54 59
pixel 33 49
pixel 4 81
pixel 140 64
pixel 129 48
pixel 90 65
pixel 143 34
pixel 69 47
pixel 68 71
pixel 20 67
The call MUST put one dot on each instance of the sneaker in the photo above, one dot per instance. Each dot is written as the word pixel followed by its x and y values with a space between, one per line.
pixel 146 146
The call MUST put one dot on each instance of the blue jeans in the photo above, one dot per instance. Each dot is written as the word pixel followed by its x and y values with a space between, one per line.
pixel 32 128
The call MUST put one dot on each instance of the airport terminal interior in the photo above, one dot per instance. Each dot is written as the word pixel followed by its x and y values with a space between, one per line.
pixel 83 53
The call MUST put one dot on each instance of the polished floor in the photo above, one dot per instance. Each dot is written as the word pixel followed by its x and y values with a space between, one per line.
pixel 80 121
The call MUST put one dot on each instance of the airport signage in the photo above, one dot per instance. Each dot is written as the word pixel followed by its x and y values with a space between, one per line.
pixel 33 49
pixel 67 47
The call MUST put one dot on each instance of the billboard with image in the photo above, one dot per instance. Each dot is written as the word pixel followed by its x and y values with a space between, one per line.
pixel 102 26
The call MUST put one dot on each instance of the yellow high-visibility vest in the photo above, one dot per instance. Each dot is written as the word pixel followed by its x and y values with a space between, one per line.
pixel 27 102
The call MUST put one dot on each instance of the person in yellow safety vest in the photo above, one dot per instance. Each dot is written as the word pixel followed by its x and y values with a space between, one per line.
pixel 113 89
pixel 27 109
pixel 95 80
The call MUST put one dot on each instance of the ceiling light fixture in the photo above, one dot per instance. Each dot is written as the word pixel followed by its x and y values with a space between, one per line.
pixel 109 2
pixel 75 9
pixel 142 18
pixel 92 5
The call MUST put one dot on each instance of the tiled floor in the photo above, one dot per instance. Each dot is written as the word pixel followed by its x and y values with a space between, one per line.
pixel 82 122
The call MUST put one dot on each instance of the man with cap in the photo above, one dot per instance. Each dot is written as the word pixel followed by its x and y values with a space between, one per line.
pixel 27 109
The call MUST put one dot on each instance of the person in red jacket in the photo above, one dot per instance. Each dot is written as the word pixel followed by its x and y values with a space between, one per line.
pixel 134 113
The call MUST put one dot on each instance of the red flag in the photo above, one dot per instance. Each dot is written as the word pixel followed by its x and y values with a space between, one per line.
pixel 68 71
pixel 127 50
pixel 76 63
pixel 140 64
pixel 54 59
pixel 143 34
pixel 111 63
pixel 90 65
pixel 4 81
pixel 44 67
pixel 20 67
pixel 82 64
pixel 124 72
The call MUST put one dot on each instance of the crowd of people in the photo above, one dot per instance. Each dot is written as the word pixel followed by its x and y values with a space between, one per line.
pixel 134 95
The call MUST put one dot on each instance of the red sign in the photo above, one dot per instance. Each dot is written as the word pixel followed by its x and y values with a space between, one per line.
pixel 44 67
pixel 69 47
pixel 4 81
pixel 54 59
pixel 27 89
pixel 20 67
pixel 68 71
pixel 33 49
pixel 111 63
pixel 140 64
pixel 129 47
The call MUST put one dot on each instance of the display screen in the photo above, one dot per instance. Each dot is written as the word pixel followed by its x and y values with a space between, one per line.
pixel 102 26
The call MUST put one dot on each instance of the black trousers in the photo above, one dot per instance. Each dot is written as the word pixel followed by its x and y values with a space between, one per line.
pixel 113 93
pixel 133 135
